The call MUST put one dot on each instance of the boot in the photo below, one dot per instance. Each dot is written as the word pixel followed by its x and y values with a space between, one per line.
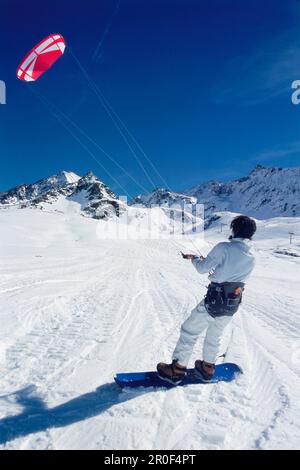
pixel 204 370
pixel 172 373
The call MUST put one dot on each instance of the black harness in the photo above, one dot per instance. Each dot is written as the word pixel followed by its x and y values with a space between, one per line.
pixel 223 298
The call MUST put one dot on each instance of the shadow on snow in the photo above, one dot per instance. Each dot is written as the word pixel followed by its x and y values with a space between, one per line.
pixel 36 417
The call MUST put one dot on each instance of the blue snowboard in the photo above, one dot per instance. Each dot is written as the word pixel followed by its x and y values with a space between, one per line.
pixel 225 372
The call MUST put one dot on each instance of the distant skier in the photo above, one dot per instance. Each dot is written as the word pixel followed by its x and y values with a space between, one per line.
pixel 229 264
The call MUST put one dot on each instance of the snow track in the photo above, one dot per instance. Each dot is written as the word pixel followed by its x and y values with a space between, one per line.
pixel 75 310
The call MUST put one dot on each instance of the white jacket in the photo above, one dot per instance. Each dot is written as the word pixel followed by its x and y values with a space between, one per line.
pixel 230 261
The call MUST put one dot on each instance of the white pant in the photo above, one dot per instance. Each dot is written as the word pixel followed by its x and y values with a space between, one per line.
pixel 198 321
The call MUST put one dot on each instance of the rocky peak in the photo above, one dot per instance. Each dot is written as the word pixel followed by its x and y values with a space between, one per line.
pixel 95 198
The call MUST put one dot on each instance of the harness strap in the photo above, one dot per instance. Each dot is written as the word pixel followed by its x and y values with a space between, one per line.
pixel 223 298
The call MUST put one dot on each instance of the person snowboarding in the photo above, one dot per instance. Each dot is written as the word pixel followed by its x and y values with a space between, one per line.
pixel 229 265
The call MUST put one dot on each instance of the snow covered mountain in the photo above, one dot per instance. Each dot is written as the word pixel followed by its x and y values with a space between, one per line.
pixel 163 197
pixel 171 207
pixel 45 190
pixel 92 197
pixel 265 193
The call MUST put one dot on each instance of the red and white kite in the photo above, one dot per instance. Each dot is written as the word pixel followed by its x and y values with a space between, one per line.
pixel 41 58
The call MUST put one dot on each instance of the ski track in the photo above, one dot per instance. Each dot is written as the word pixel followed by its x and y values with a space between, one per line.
pixel 81 316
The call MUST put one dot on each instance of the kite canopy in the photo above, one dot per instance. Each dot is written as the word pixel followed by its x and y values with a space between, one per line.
pixel 41 58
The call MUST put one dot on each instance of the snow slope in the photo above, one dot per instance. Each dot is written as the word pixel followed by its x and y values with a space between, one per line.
pixel 76 309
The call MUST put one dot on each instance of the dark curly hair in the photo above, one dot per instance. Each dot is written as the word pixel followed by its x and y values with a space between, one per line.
pixel 243 226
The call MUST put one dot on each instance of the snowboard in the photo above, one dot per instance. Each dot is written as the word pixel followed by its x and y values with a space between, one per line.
pixel 225 372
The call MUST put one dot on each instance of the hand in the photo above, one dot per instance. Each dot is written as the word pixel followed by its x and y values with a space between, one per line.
pixel 188 256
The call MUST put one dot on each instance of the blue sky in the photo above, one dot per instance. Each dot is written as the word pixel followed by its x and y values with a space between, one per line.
pixel 204 87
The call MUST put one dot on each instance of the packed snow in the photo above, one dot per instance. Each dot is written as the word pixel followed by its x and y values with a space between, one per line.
pixel 76 308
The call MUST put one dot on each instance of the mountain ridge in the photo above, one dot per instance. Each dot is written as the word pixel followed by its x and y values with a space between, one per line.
pixel 266 192
pixel 95 199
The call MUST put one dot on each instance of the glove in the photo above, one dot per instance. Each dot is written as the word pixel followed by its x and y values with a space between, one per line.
pixel 188 256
